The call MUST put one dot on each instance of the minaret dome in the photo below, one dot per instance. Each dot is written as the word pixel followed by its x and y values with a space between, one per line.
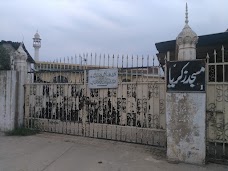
pixel 186 41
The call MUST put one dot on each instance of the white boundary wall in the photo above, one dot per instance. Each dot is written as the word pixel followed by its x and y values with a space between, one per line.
pixel 8 97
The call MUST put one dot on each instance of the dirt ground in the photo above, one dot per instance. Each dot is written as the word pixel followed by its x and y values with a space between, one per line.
pixel 56 152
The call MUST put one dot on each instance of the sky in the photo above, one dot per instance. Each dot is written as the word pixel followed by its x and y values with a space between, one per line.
pixel 69 27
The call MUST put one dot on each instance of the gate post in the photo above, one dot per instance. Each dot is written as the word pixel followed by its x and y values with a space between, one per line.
pixel 186 102
pixel 185 120
pixel 21 67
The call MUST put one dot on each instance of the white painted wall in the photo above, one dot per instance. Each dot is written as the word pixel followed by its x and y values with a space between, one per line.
pixel 185 115
pixel 8 83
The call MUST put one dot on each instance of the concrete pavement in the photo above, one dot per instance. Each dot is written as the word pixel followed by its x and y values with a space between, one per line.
pixel 55 152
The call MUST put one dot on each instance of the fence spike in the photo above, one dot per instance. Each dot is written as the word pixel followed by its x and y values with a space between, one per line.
pixel 127 61
pixel 137 68
pixel 147 61
pixel 108 60
pixel 132 60
pixel 113 61
pixel 83 60
pixel 215 53
pixel 86 59
pixel 207 58
pixel 137 60
pixel 153 60
pixel 122 61
pixel 126 70
pixel 147 66
pixel 91 59
pixel 100 60
pixel 118 60
pixel 223 55
pixel 95 59
pixel 104 61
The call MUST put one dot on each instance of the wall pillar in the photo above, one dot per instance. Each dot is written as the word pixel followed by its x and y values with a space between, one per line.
pixel 20 66
pixel 22 79
pixel 186 112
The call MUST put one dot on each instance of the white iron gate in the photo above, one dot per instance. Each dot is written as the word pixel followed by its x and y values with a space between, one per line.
pixel 217 106
pixel 133 112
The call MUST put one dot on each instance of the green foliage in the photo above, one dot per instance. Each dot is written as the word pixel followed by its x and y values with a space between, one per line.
pixel 4 59
pixel 22 132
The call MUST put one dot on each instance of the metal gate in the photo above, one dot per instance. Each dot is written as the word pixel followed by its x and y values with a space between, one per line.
pixel 60 101
pixel 217 106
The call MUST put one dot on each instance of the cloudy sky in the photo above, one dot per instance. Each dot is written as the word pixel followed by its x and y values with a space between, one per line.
pixel 69 27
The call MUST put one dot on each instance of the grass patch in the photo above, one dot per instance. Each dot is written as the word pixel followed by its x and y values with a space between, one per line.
pixel 22 132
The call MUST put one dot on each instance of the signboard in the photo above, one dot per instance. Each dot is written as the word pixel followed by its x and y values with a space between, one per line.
pixel 103 78
pixel 186 75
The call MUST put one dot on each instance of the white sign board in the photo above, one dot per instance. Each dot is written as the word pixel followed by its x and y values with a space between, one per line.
pixel 103 78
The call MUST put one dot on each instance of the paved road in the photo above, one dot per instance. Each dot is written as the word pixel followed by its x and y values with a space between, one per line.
pixel 55 152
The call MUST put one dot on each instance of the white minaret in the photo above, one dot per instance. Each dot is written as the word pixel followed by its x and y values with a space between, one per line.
pixel 36 45
pixel 186 41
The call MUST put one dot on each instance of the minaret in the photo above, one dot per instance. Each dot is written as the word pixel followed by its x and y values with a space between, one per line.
pixel 36 45
pixel 186 41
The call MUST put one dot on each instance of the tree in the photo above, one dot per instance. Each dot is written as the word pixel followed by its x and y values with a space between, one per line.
pixel 4 59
